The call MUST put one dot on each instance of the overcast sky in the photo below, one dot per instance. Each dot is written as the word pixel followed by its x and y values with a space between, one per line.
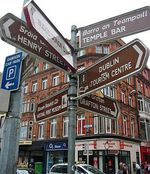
pixel 65 13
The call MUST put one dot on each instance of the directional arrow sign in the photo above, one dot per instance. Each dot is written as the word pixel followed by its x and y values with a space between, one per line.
pixel 123 25
pixel 100 105
pixel 39 21
pixel 15 32
pixel 52 106
pixel 122 63
pixel 12 71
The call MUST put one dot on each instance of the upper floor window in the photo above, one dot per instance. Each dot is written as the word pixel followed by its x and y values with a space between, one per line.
pixel 55 80
pixel 132 127
pixel 81 124
pixel 36 69
pixel 104 125
pixel 139 86
pixel 108 125
pixel 34 86
pixel 95 124
pixel 65 126
pixel 102 49
pixel 130 100
pixel 25 89
pixel 125 125
pixel 129 80
pixel 45 66
pixel 81 53
pixel 123 98
pixel 41 130
pixel 44 83
pixel 53 128
pixel 140 104
pixel 66 78
pixel 109 91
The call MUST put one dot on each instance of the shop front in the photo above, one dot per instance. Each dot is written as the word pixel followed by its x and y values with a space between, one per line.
pixel 56 152
pixel 107 154
pixel 145 154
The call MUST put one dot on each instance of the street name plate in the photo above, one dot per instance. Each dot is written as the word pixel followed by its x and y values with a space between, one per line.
pixel 100 105
pixel 123 25
pixel 15 32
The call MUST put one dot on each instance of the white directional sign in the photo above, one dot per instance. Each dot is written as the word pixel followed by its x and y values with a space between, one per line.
pixel 123 25
pixel 126 61
pixel 12 71
pixel 39 21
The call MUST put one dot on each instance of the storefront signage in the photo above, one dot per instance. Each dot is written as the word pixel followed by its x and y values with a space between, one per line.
pixel 56 146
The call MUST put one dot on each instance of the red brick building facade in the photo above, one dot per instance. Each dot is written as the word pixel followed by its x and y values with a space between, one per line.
pixel 107 140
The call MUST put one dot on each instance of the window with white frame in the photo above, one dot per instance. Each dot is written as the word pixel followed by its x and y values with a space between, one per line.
pixel 102 49
pixel 25 89
pixel 53 130
pixel 66 78
pixel 101 125
pixel 45 66
pixel 44 83
pixel 32 105
pixel 129 80
pixel 140 104
pixel 99 49
pixel 132 127
pixel 81 53
pixel 109 91
pixel 41 130
pixel 95 124
pixel 81 124
pixel 65 126
pixel 36 69
pixel 26 106
pixel 130 100
pixel 125 127
pixel 34 86
pixel 108 125
pixel 123 98
pixel 55 80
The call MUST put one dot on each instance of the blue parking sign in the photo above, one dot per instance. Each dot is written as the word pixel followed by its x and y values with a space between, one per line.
pixel 12 72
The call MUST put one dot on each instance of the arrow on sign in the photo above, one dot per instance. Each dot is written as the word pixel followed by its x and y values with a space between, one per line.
pixel 15 32
pixel 8 85
pixel 124 62
pixel 6 25
pixel 140 52
pixel 100 105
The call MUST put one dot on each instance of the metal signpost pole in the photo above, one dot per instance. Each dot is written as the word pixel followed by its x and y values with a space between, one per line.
pixel 72 107
pixel 9 154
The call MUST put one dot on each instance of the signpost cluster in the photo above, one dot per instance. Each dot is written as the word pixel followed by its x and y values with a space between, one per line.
pixel 41 39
